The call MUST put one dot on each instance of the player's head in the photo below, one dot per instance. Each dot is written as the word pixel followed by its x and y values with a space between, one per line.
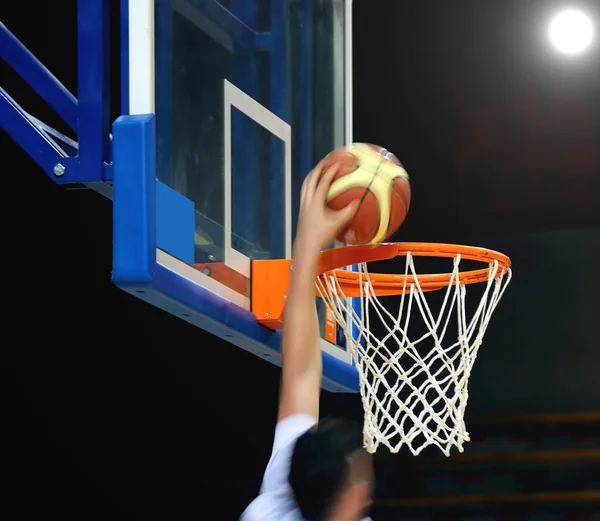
pixel 331 474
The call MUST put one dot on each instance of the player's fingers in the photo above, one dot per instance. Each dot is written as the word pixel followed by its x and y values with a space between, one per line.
pixel 308 186
pixel 304 188
pixel 315 178
pixel 310 181
pixel 325 182
pixel 345 215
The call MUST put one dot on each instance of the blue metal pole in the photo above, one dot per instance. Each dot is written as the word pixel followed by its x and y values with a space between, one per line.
pixel 45 84
pixel 93 84
pixel 40 147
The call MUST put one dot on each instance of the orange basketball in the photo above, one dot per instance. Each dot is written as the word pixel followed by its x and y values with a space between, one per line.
pixel 378 180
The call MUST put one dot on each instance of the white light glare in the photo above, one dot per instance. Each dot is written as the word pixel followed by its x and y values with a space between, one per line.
pixel 571 31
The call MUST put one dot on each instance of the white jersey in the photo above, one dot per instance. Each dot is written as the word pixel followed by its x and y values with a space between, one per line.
pixel 275 501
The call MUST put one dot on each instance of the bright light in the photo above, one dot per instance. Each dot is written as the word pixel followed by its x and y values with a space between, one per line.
pixel 571 31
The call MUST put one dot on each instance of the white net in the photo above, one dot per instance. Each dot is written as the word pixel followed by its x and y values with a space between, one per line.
pixel 414 365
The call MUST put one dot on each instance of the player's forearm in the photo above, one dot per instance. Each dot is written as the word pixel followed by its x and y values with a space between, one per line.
pixel 301 332
pixel 304 271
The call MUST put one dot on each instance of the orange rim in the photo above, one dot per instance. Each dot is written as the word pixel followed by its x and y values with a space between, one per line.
pixel 394 284
pixel 270 277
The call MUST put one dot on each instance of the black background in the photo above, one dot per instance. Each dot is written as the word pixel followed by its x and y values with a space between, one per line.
pixel 115 408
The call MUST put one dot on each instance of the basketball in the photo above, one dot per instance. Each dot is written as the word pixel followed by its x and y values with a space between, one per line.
pixel 375 177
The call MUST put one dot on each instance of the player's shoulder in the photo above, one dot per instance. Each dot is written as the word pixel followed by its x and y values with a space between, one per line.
pixel 290 428
pixel 276 501
pixel 287 432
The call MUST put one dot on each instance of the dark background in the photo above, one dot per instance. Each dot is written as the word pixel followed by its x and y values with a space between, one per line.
pixel 115 408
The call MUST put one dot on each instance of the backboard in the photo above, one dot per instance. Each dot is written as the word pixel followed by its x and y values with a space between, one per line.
pixel 228 105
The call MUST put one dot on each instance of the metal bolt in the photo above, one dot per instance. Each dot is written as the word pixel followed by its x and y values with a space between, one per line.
pixel 207 271
pixel 291 267
pixel 211 258
pixel 285 297
pixel 58 170
pixel 266 314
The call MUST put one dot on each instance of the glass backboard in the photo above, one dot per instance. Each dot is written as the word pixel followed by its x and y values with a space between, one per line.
pixel 248 95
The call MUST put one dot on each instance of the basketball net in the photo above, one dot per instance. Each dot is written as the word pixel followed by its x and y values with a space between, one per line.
pixel 414 390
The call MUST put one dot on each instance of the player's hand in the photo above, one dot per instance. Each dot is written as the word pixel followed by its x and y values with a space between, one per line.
pixel 318 225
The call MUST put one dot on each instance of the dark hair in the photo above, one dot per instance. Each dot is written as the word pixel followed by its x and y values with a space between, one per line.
pixel 319 466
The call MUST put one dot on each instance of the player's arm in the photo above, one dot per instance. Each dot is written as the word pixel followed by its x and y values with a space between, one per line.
pixel 301 351
pixel 301 370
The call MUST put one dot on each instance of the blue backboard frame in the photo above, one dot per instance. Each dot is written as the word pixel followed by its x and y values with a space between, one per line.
pixel 148 271
pixel 161 280
pixel 122 165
